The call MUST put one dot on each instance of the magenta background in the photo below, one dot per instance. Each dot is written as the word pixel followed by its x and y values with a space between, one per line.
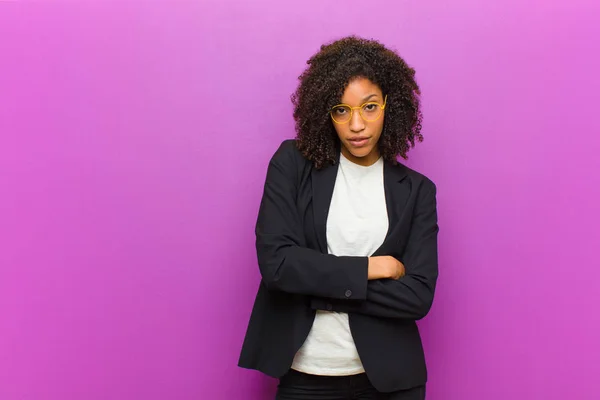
pixel 134 138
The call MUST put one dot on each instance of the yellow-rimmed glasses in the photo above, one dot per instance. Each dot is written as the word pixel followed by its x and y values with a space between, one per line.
pixel 370 111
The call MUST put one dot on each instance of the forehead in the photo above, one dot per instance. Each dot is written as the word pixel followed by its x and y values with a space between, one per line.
pixel 360 89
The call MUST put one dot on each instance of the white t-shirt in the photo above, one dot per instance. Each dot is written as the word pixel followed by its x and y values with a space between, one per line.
pixel 357 224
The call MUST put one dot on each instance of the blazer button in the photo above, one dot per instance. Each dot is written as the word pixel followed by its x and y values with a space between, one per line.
pixel 329 307
pixel 348 293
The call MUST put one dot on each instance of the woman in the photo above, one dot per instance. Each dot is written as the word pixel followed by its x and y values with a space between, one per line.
pixel 346 236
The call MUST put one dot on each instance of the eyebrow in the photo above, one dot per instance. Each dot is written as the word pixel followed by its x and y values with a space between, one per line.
pixel 365 99
pixel 369 96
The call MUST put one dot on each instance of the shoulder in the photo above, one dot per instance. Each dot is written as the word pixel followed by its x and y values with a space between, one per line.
pixel 288 162
pixel 424 184
pixel 288 154
pixel 287 148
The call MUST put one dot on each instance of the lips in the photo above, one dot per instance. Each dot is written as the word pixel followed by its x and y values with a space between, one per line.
pixel 358 141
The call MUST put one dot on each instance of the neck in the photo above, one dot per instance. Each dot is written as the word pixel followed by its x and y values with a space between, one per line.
pixel 365 161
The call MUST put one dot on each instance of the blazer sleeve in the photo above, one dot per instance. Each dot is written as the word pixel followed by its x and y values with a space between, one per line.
pixel 411 296
pixel 285 263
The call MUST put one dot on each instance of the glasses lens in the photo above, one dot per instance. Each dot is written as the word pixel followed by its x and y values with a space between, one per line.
pixel 371 111
pixel 341 113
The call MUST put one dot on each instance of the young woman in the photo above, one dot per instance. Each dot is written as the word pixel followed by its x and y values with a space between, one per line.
pixel 346 236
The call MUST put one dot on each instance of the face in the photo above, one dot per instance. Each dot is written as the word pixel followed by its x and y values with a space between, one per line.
pixel 359 137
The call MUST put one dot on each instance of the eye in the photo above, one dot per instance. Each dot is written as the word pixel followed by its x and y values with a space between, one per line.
pixel 340 111
pixel 370 107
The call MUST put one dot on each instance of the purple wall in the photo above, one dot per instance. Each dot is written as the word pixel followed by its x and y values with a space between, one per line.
pixel 134 139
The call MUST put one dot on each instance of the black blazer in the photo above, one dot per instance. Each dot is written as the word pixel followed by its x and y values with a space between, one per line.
pixel 299 277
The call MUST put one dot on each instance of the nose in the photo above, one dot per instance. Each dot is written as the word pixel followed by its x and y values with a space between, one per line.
pixel 357 124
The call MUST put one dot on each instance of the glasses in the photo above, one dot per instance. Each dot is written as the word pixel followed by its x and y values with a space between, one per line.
pixel 370 111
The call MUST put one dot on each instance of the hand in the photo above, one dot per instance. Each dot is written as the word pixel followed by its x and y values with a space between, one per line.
pixel 398 270
pixel 385 267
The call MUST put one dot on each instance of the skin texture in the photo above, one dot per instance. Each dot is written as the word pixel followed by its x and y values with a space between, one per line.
pixel 358 92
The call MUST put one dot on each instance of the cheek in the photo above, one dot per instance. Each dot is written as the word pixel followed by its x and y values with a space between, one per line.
pixel 377 128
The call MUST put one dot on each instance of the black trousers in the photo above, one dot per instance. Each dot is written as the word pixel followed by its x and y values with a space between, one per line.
pixel 298 386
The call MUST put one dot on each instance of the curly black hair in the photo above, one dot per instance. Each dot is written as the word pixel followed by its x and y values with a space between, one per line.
pixel 323 83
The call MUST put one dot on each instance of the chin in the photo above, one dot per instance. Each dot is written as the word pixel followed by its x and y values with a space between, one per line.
pixel 360 153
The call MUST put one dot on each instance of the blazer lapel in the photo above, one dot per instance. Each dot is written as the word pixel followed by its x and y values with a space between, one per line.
pixel 396 197
pixel 323 182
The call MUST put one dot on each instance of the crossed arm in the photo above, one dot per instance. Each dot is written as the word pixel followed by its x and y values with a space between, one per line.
pixel 379 286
